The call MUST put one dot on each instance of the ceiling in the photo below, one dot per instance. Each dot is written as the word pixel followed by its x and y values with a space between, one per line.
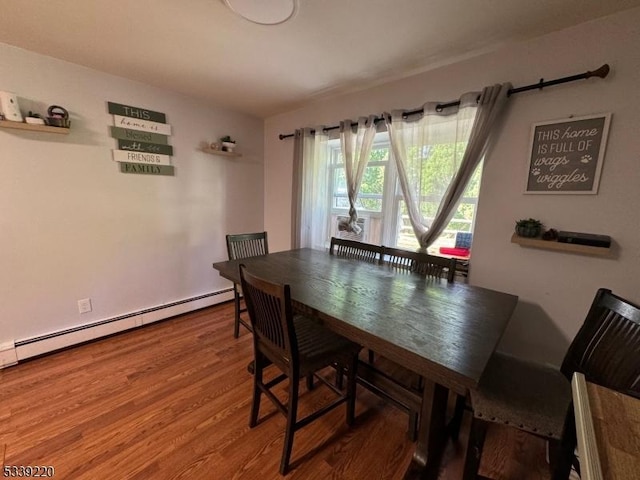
pixel 202 49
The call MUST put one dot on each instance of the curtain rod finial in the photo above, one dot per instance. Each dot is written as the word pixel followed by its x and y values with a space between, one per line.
pixel 601 72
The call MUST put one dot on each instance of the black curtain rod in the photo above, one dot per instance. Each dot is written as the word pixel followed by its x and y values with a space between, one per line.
pixel 601 72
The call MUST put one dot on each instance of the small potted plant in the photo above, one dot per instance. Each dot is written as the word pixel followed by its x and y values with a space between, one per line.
pixel 228 144
pixel 529 227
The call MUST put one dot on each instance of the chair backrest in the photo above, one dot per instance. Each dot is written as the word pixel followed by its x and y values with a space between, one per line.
pixel 245 245
pixel 420 262
pixel 270 312
pixel 358 250
pixel 606 349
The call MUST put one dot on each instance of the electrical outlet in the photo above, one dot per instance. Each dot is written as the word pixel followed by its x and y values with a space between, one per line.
pixel 84 305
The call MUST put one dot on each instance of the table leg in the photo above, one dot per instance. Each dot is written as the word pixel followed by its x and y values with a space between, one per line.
pixel 432 434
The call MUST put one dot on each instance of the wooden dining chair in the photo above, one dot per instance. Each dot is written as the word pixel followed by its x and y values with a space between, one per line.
pixel 537 399
pixel 420 263
pixel 365 252
pixel 298 347
pixel 239 246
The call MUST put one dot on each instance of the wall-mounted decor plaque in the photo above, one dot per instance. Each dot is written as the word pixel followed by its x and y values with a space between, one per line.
pixel 142 136
pixel 567 155
pixel 147 169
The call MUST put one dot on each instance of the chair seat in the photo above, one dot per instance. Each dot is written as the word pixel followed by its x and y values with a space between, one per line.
pixel 319 346
pixel 526 395
pixel 605 350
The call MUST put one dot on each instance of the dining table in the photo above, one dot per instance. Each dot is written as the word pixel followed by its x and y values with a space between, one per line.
pixel 444 332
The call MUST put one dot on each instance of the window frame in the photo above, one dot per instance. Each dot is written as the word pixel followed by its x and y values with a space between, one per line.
pixel 390 214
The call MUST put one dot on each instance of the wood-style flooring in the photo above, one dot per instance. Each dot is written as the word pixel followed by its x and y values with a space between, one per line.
pixel 171 401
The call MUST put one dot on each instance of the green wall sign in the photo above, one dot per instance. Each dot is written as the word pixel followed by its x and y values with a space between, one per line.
pixel 136 112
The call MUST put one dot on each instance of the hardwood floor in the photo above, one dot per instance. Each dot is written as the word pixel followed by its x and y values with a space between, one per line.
pixel 171 401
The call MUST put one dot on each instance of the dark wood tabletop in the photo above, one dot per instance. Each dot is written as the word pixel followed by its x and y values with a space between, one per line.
pixel 443 331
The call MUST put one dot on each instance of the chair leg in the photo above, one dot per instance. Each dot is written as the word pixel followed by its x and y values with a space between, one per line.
pixel 339 376
pixel 559 461
pixel 561 452
pixel 417 383
pixel 292 412
pixel 351 389
pixel 456 420
pixel 257 380
pixel 371 356
pixel 477 435
pixel 236 301
pixel 310 385
pixel 414 424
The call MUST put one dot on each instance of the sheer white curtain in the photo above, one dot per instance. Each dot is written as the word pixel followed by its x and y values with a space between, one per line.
pixel 356 148
pixel 310 207
pixel 466 130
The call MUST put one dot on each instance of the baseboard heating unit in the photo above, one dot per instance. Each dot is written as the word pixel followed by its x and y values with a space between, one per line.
pixel 11 353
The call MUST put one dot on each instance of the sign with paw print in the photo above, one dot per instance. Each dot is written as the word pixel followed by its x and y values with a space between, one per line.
pixel 567 155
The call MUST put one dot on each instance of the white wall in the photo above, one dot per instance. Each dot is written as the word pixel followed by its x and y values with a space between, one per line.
pixel 72 226
pixel 555 289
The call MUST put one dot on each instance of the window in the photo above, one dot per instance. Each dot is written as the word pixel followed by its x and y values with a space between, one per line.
pixel 381 208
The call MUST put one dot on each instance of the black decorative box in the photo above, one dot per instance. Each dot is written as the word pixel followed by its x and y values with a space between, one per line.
pixel 590 239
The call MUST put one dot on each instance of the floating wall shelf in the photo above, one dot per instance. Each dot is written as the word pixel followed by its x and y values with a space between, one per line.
pixel 222 153
pixel 561 247
pixel 33 127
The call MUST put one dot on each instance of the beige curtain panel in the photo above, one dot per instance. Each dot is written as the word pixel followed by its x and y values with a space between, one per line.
pixel 355 142
pixel 468 128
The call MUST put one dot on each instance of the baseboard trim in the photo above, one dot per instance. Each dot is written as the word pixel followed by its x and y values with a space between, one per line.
pixel 8 355
pixel 50 342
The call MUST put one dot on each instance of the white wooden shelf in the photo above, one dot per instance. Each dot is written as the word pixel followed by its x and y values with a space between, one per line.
pixel 222 153
pixel 590 467
pixel 33 128
pixel 561 247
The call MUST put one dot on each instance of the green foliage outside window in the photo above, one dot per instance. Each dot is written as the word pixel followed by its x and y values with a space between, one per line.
pixel 432 167
pixel 371 188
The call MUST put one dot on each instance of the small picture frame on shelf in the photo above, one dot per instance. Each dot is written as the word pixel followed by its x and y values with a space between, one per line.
pixel 9 107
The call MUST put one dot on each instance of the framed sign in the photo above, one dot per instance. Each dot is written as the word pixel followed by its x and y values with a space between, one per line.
pixel 567 155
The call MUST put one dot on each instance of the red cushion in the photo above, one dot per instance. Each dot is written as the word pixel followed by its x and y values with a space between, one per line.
pixel 458 252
